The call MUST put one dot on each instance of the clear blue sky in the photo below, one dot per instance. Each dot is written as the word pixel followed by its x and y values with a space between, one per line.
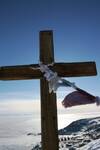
pixel 76 26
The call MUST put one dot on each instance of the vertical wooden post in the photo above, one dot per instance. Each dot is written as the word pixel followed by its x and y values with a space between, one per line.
pixel 49 127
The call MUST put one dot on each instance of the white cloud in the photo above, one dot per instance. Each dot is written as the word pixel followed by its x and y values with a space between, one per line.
pixel 20 106
pixel 92 108
pixel 30 106
pixel 26 95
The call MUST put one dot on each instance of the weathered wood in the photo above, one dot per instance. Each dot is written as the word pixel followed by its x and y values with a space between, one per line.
pixel 19 72
pixel 48 101
pixel 22 72
pixel 75 69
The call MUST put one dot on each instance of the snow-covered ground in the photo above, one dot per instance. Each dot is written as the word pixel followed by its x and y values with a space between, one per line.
pixel 94 145
pixel 20 124
pixel 16 129
pixel 83 134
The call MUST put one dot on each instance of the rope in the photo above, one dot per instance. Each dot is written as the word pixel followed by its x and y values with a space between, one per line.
pixel 55 81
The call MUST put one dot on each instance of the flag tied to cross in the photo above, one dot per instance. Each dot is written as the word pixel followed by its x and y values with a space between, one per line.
pixel 80 97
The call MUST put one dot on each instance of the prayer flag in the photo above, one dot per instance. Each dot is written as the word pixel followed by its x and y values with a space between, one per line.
pixel 79 97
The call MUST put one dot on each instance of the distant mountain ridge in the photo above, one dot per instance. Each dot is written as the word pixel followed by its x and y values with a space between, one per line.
pixel 79 135
pixel 81 125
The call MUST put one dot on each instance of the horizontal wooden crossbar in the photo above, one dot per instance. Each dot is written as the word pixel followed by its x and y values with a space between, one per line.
pixel 23 72
pixel 76 69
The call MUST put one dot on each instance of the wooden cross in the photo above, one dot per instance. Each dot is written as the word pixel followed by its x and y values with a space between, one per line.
pixel 49 128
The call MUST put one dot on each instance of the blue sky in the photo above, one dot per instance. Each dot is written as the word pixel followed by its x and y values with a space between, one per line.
pixel 76 26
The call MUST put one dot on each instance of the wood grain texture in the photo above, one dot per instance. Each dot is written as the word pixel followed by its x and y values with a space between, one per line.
pixel 48 101
pixel 23 72
pixel 75 69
